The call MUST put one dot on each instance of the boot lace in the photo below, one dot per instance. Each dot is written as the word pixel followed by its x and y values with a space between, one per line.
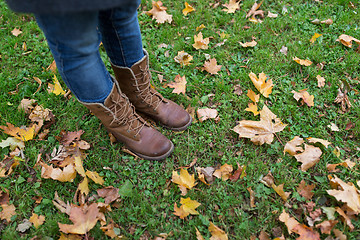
pixel 144 88
pixel 124 114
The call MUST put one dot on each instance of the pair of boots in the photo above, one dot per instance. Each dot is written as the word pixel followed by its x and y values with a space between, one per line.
pixel 132 90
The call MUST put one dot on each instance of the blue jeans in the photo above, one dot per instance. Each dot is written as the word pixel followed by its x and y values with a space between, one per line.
pixel 74 40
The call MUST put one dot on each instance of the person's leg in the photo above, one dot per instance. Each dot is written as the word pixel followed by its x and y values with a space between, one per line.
pixel 74 42
pixel 121 35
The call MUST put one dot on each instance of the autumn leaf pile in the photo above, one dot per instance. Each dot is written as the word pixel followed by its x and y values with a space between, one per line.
pixel 320 199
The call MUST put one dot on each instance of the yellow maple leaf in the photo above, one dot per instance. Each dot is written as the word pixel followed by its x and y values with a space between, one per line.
pixel 56 87
pixel 188 8
pixel 223 172
pixel 184 180
pixel 188 207
pixel 217 233
pixel 19 133
pixel 302 62
pixel 314 37
pixel 84 218
pixel 280 190
pixel 84 186
pixel 262 131
pixel 253 96
pixel 232 6
pixel 95 177
pixel 346 40
pixel 252 107
pixel 200 42
pixel 202 26
pixel 183 58
pixel 262 85
pixel 179 84
pixel 37 220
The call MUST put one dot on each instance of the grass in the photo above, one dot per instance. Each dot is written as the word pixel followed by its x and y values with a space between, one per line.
pixel 147 203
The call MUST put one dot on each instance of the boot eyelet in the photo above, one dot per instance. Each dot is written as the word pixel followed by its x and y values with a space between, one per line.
pixel 154 110
pixel 128 131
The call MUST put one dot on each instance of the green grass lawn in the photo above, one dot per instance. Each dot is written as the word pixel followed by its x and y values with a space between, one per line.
pixel 147 203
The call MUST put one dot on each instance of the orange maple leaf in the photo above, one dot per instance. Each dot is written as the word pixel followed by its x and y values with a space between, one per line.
pixel 302 62
pixel 179 84
pixel 200 42
pixel 158 12
pixel 212 67
pixel 305 96
pixel 188 8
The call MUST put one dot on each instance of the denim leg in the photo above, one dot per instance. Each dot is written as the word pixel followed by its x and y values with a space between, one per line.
pixel 121 35
pixel 74 41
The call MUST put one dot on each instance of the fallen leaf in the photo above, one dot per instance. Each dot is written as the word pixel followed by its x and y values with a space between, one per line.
pixel 200 42
pixel 262 131
pixel 202 26
pixel 321 81
pixel 56 87
pixel 24 226
pixel 95 177
pixel 206 174
pixel 253 96
pixel 52 67
pixel 326 226
pixel 305 190
pixel 84 186
pixel 198 235
pixel 37 220
pixel 254 11
pixel 318 140
pixel 333 127
pixel 206 113
pixel 240 173
pixel 302 62
pixel 293 225
pixel 339 234
pixel 26 105
pixel 158 12
pixel 272 15
pixel 347 193
pixel 327 21
pixel 67 138
pixel 232 6
pixel 16 32
pixel 280 191
pixel 346 40
pixel 4 197
pixel 284 50
pixel 79 166
pixel 292 147
pixel 183 58
pixel 253 43
pixel 346 219
pixel 217 233
pixel 110 194
pixel 343 99
pixel 13 143
pixel 68 174
pixel 268 180
pixel 7 212
pixel 309 157
pixel 252 197
pixel 223 172
pixel 179 84
pixel 211 66
pixel 348 164
pixel 262 85
pixel 7 165
pixel 40 114
pixel 19 133
pixel 314 37
pixel 304 96
pixel 252 107
pixel 188 8
pixel 188 207
pixel 84 219
pixel 184 179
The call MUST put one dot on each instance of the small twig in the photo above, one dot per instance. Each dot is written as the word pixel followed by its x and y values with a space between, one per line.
pixel 151 70
pixel 278 139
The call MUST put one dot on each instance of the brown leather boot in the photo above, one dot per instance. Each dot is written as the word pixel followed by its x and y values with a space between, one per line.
pixel 119 117
pixel 135 83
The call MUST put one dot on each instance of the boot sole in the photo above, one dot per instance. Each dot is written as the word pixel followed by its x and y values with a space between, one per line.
pixel 158 158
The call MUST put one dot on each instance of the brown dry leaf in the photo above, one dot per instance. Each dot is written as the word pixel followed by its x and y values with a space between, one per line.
pixel 217 233
pixel 343 99
pixel 183 58
pixel 339 234
pixel 253 96
pixel 248 44
pixel 254 11
pixel 346 218
pixel 252 107
pixel 95 177
pixel 56 87
pixel 84 219
pixel 206 174
pixel 7 166
pixel 348 164
pixel 319 140
pixel 326 226
pixel 223 172
pixel 262 85
pixel 79 166
pixel 240 173
pixel 314 37
pixel 179 84
pixel 67 138
pixel 321 81
pixel 158 12
pixel 327 21
pixel 4 197
pixel 268 180
pixel 188 8
pixel 198 235
pixel 200 42
pixel 305 190
pixel 61 205
pixel 346 40
pixel 292 147
pixel 211 66
pixel 272 15
pixel 184 179
pixel 16 32
pixel 232 6
pixel 252 197
pixel 24 135
pixel 40 114
pixel 262 131
pixel 305 96
pixel 68 173
pixel 52 67
pixel 347 193
pixel 206 113
pixel 26 105
pixel 188 207
pixel 37 220
pixel 309 157
pixel 7 212
pixel 293 225
pixel 302 62
pixel 280 190
pixel 110 194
